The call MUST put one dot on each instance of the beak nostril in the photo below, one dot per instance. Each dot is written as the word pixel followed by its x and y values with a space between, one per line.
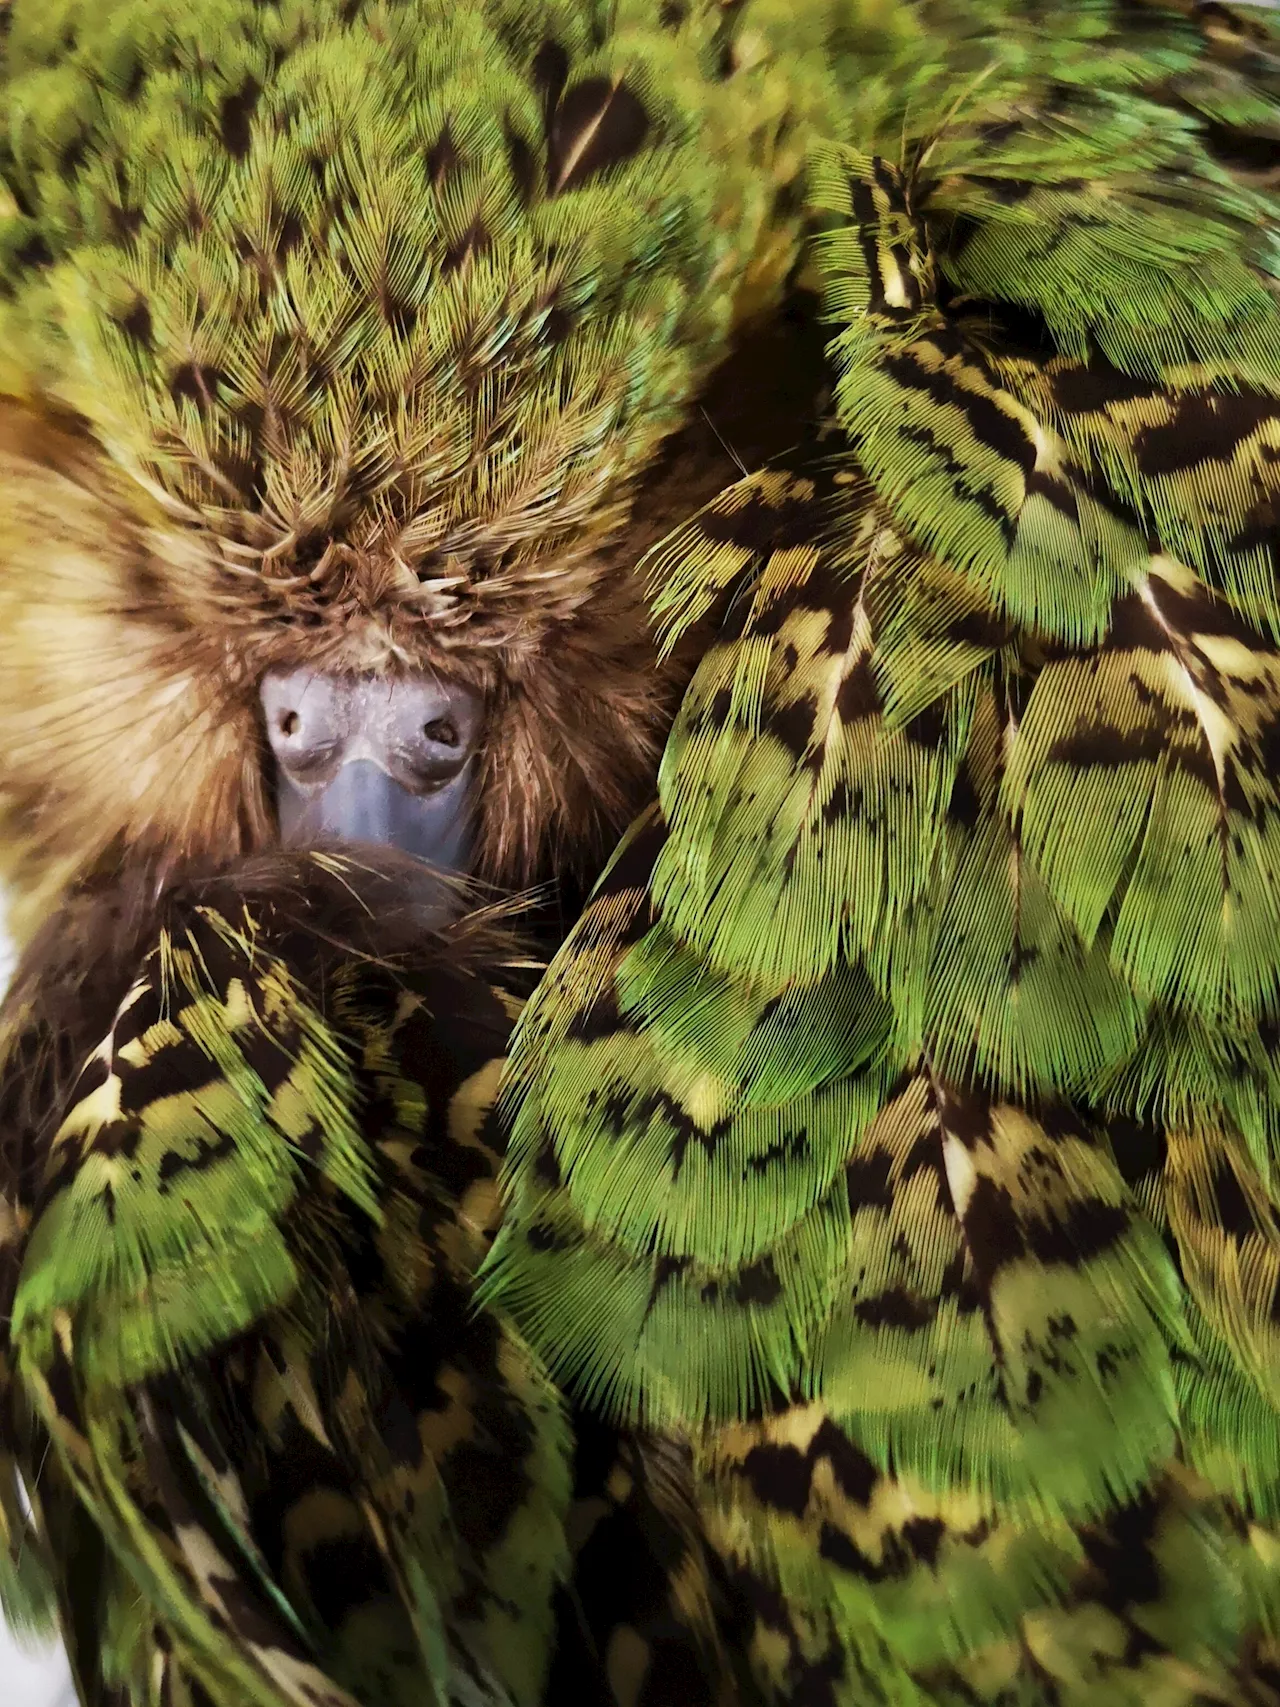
pixel 442 730
pixel 372 758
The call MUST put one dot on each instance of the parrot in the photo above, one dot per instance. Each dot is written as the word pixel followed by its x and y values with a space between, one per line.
pixel 640 789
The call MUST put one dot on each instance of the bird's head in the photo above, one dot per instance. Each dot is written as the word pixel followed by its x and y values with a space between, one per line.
pixel 340 339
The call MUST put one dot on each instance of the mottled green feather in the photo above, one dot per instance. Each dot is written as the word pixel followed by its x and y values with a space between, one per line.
pixel 896 1130
pixel 415 273
pixel 159 1230
pixel 783 729
pixel 243 1335
pixel 986 719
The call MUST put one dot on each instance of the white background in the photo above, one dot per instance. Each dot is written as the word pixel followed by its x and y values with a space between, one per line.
pixel 29 1679
pixel 33 1680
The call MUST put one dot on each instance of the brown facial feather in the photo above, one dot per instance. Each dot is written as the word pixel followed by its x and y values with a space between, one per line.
pixel 114 733
pixel 129 730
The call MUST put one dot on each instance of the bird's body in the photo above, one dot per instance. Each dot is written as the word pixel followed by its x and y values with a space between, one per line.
pixel 879 1308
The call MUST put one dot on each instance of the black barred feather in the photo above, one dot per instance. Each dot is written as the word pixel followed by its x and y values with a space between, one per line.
pixel 882 1309
pixel 973 792
pixel 242 1315
pixel 300 1468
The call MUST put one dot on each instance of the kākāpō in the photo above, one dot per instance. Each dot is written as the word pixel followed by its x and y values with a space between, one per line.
pixel 879 1307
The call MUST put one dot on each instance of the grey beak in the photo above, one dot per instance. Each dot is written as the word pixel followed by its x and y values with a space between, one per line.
pixel 363 804
pixel 366 759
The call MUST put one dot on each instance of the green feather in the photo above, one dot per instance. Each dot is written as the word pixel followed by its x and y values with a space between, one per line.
pixel 985 720
pixel 168 1179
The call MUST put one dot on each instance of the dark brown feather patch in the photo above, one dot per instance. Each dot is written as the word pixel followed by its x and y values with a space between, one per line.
pixel 597 125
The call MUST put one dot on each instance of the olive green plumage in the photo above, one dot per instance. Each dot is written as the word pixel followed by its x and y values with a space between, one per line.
pixel 274 1452
pixel 891 1191
pixel 440 277
pixel 898 1124
pixel 241 1328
